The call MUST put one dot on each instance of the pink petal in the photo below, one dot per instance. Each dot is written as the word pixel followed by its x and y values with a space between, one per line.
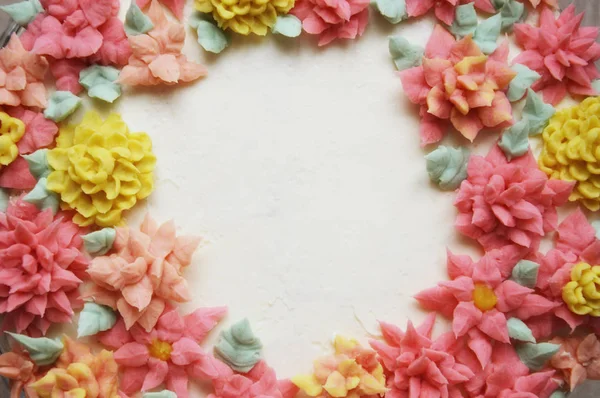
pixel 461 287
pixel 466 317
pixel 416 8
pixel 414 84
pixel 458 265
pixel 16 175
pixel 440 43
pixel 534 305
pixel 96 12
pixel 437 299
pixel 85 43
pixel 139 294
pixel 510 295
pixel 431 129
pixel 132 354
pixel 469 126
pixel 177 381
pixel 186 351
pixel 200 322
pixel 115 337
pixel 158 371
pixel 493 323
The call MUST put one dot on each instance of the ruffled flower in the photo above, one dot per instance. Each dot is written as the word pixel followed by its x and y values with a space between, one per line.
pixel 343 19
pixel 444 10
pixel 100 169
pixel 578 358
pixel 79 373
pixel 245 17
pixel 460 85
pixel 168 354
pixel 143 272
pixel 176 6
pixel 353 371
pixel 19 368
pixel 40 268
pixel 508 203
pixel 569 152
pixel 157 56
pixel 11 132
pixel 562 52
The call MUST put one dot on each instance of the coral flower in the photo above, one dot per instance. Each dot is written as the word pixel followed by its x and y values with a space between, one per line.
pixel 445 10
pixel 40 268
pixel 562 52
pixel 458 84
pixel 578 358
pixel 19 368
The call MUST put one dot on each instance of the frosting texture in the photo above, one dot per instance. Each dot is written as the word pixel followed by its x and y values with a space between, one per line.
pixel 239 347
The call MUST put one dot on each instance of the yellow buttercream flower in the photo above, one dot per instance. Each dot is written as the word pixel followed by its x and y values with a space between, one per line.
pixel 245 16
pixel 582 294
pixel 352 372
pixel 11 131
pixel 571 150
pixel 100 169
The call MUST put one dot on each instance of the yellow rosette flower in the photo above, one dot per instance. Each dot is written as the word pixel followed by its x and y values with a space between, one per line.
pixel 245 16
pixel 582 294
pixel 11 131
pixel 571 150
pixel 99 169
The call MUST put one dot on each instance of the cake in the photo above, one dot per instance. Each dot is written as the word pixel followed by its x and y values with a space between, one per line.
pixel 273 229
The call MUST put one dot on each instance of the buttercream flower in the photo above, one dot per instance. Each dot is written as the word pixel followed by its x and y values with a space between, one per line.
pixel 11 132
pixel 503 203
pixel 343 19
pixel 40 268
pixel 458 84
pixel 578 358
pixel 19 368
pixel 582 293
pixel 562 52
pixel 143 272
pixel 157 56
pixel 445 10
pixel 168 354
pixel 176 6
pixel 570 150
pixel 418 366
pixel 100 169
pixel 79 373
pixel 245 16
pixel 353 371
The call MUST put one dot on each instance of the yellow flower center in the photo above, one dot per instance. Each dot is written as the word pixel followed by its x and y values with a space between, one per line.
pixel 160 349
pixel 582 294
pixel 484 297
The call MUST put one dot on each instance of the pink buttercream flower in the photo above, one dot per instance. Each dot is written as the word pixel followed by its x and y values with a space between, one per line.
pixel 445 10
pixel 338 19
pixel 578 358
pixel 459 85
pixel 176 6
pixel 505 203
pixel 168 354
pixel 144 272
pixel 40 268
pixel 562 52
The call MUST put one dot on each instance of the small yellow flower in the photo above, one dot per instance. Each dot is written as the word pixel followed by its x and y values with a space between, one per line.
pixel 571 150
pixel 582 294
pixel 11 131
pixel 100 168
pixel 245 16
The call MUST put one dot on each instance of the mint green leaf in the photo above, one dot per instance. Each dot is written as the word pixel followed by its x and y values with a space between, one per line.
pixel 487 33
pixel 210 36
pixel 558 394
pixel 537 112
pixel 596 225
pixel 535 356
pixel 522 81
pixel 465 20
pixel 101 82
pixel 38 163
pixel 160 394
pixel 287 25
pixel 98 243
pixel 43 351
pixel 61 105
pixel 404 54
pixel 4 199
pixel 23 12
pixel 95 318
pixel 239 347
pixel 525 273
pixel 136 22
pixel 518 330
pixel 392 10
pixel 511 12
pixel 596 85
pixel 447 166
pixel 515 140
pixel 41 197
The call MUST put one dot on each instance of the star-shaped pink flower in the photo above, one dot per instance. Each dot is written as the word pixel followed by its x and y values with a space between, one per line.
pixel 444 10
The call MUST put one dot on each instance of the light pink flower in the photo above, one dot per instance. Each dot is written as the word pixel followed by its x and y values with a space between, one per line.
pixel 504 203
pixel 176 6
pixel 562 52
pixel 40 268
pixel 338 19
pixel 578 358
pixel 168 354
pixel 445 10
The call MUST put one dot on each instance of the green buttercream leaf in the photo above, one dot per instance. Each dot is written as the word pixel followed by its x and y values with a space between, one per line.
pixel 95 318
pixel 61 105
pixel 596 225
pixel 136 22
pixel 558 394
pixel 535 356
pixel 487 33
pixel 404 54
pixel 392 10
pixel 518 330
pixel 537 112
pixel 42 198
pixel 596 85
pixel 238 347
pixel 465 20
pixel 515 140
pixel 42 350
pixel 525 273
pixel 287 25
pixel 101 82
pixel 210 36
pixel 522 81
pixel 511 12
pixel 160 394
pixel 98 243
pixel 4 199
pixel 23 12
pixel 447 166
pixel 38 163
